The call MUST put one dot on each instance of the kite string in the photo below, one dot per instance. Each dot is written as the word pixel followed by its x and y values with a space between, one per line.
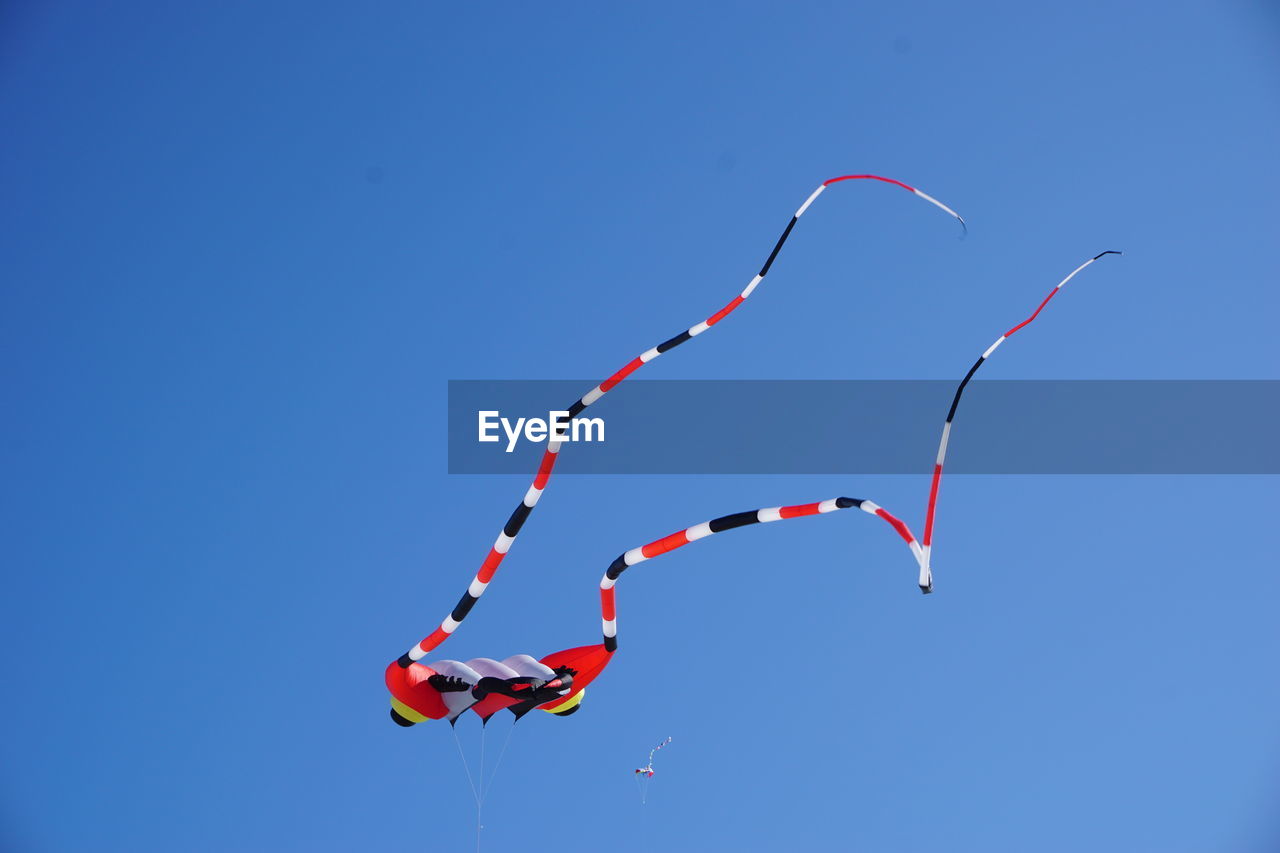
pixel 484 789
pixel 467 768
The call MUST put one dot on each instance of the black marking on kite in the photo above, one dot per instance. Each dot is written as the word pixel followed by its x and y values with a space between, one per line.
pixel 464 607
pixel 728 522
pixel 617 567
pixel 672 343
pixel 764 270
pixel 517 520
pixel 955 401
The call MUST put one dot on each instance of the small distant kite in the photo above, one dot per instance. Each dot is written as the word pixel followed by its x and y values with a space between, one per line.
pixel 644 774
pixel 647 770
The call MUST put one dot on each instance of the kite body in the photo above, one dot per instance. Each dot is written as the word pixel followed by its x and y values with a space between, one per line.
pixel 445 689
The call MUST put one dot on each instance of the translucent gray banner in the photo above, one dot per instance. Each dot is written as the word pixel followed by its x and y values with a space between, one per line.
pixel 879 427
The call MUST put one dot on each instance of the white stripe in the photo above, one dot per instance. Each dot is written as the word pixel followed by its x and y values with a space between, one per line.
pixel 810 199
pixel 635 555
pixel 531 496
pixel 992 348
pixel 771 514
pixel 926 578
pixel 591 396
pixel 607 582
pixel 449 625
pixel 1074 271
pixel 828 506
pixel 698 329
pixel 916 550
pixel 942 445
pixel 416 653
pixel 930 198
pixel 870 507
pixel 752 286
pixel 926 572
pixel 649 355
pixel 610 627
pixel 554 446
pixel 477 588
pixel 698 531
pixel 503 543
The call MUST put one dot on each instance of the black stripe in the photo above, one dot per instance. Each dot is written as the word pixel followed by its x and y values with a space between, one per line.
pixel 576 409
pixel 517 519
pixel 963 382
pixel 616 568
pixel 464 607
pixel 672 343
pixel 1107 252
pixel 728 522
pixel 845 503
pixel 610 644
pixel 399 720
pixel 764 270
pixel 404 660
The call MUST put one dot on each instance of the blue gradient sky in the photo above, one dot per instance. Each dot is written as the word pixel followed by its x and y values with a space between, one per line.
pixel 244 246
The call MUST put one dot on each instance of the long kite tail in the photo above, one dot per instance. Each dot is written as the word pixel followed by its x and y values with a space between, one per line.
pixel 926 572
pixel 608 602
pixel 653 751
pixel 919 550
pixel 512 528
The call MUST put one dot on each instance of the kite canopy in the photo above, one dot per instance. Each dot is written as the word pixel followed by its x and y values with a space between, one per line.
pixel 445 689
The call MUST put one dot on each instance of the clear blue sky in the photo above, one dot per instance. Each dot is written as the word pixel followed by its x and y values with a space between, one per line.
pixel 243 247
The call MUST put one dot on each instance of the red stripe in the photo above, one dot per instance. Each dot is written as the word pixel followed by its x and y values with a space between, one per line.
pixel 489 566
pixel 1052 293
pixel 621 374
pixel 607 605
pixel 898 525
pixel 831 181
pixel 797 511
pixel 933 503
pixel 665 544
pixel 544 469
pixel 437 637
pixel 724 312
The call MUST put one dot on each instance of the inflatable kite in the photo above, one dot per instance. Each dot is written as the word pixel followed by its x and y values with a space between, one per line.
pixel 418 695
pixel 445 689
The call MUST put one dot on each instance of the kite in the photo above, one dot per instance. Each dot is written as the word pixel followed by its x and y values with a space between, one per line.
pixel 645 774
pixel 647 771
pixel 570 671
pixel 445 689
